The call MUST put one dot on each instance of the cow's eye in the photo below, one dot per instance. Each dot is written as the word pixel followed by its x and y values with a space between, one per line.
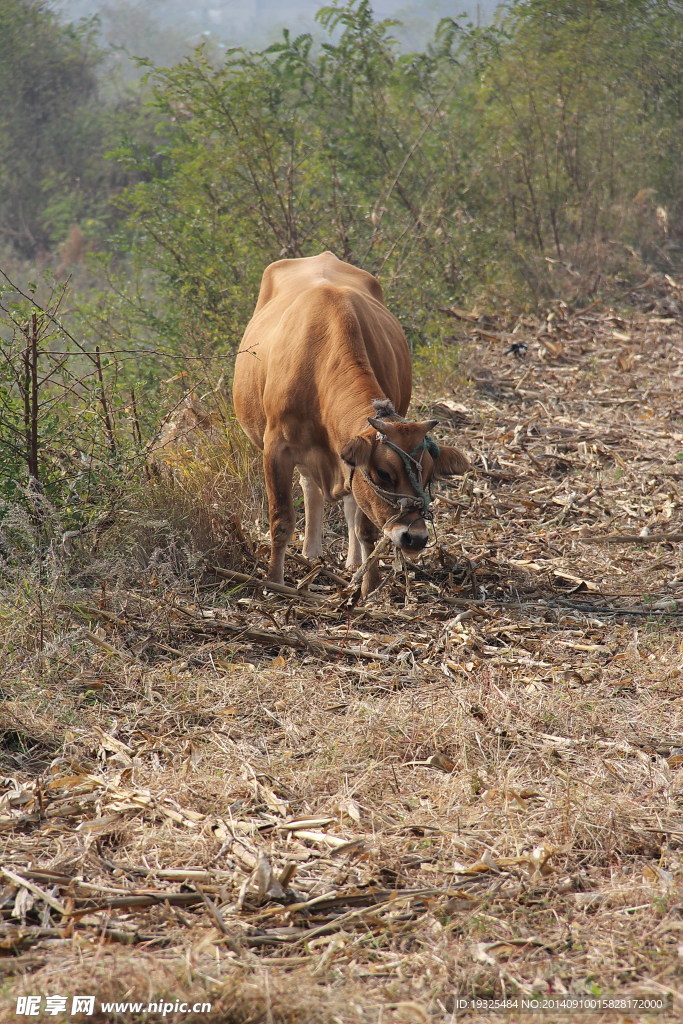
pixel 383 476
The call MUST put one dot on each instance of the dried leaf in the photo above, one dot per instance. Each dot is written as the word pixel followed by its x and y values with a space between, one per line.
pixel 24 901
pixel 480 952
pixel 263 876
pixel 351 809
pixel 409 1013
pixel 101 826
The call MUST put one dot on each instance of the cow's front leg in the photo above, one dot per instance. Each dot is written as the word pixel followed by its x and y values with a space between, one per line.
pixel 278 466
pixel 313 508
pixel 368 534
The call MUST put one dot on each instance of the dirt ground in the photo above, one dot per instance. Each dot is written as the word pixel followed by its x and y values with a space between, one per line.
pixel 304 810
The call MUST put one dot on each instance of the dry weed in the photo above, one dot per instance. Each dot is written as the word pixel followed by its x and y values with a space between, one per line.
pixel 204 493
pixel 474 790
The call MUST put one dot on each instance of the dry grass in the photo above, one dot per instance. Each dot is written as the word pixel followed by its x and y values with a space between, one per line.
pixel 484 801
pixel 204 493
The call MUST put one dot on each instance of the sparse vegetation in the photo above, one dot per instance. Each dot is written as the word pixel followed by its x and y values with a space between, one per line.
pixel 472 791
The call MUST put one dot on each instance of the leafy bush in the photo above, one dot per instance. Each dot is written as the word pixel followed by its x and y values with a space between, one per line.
pixel 302 147
pixel 452 173
pixel 581 120
pixel 68 416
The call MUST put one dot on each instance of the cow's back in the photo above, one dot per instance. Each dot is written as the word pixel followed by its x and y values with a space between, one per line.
pixel 319 326
pixel 289 277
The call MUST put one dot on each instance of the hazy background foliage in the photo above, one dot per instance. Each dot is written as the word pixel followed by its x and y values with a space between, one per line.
pixel 165 30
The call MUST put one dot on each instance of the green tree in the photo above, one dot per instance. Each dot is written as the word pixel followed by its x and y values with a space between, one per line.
pixel 342 144
pixel 447 172
pixel 55 127
pixel 581 113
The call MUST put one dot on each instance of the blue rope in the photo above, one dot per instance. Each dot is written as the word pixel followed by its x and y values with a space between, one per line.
pixel 427 444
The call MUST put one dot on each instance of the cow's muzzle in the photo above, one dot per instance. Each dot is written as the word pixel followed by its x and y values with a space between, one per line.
pixel 413 541
pixel 409 539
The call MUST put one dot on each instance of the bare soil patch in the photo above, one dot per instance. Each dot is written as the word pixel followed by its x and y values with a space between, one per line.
pixel 301 809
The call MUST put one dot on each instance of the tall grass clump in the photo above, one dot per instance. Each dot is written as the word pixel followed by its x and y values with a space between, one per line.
pixel 203 492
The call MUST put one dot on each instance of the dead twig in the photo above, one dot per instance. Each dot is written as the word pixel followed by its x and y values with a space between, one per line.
pixel 379 549
pixel 634 538
pixel 258 584
pixel 323 569
pixel 152 899
pixel 558 602
pixel 99 642
pixel 271 638
pixel 217 918
pixel 36 890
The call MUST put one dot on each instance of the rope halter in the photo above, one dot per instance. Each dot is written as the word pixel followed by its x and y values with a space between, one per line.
pixel 421 500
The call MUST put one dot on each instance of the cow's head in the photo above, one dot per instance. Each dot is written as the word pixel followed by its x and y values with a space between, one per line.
pixel 393 463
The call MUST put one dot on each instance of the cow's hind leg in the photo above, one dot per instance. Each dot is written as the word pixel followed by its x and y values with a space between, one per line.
pixel 354 556
pixel 278 466
pixel 313 507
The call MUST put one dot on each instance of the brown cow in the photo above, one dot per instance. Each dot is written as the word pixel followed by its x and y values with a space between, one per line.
pixel 322 382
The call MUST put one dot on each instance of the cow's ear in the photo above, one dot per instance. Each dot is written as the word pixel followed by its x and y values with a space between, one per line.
pixel 450 462
pixel 356 452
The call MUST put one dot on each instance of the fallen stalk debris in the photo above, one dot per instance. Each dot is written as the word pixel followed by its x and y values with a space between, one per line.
pixel 386 805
